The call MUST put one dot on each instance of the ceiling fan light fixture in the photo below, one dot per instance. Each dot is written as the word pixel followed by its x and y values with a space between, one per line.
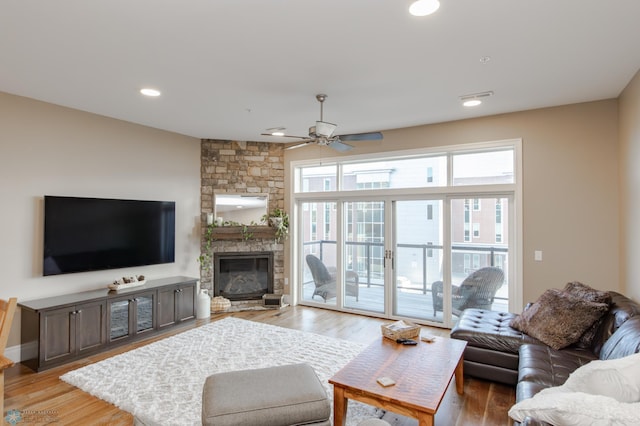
pixel 424 7
pixel 324 129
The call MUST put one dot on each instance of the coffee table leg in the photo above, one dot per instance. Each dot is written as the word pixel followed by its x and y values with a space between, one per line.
pixel 339 406
pixel 425 419
pixel 459 373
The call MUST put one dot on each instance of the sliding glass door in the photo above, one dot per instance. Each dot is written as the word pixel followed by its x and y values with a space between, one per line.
pixel 420 236
pixel 418 258
pixel 364 252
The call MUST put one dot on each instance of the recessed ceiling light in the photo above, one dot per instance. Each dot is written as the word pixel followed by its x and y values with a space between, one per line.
pixel 474 99
pixel 150 92
pixel 277 134
pixel 423 7
pixel 472 102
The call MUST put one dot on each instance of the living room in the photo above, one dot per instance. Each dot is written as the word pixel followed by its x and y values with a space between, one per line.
pixel 579 185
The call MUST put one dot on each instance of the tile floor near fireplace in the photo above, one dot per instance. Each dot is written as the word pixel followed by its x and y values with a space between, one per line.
pixel 243 275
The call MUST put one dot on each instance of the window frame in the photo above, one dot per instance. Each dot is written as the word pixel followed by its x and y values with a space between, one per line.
pixel 513 189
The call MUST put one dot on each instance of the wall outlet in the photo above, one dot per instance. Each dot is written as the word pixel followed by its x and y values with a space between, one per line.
pixel 537 255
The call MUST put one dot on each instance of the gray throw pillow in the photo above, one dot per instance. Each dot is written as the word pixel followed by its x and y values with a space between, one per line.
pixel 558 319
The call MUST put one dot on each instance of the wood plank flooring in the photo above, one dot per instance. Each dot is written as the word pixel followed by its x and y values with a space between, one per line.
pixel 42 398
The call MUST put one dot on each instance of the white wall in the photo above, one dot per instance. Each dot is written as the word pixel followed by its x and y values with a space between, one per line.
pixel 50 150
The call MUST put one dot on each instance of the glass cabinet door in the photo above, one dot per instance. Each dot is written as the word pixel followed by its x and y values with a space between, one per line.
pixel 144 313
pixel 119 319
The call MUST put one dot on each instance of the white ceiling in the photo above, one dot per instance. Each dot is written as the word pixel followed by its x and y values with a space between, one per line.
pixel 229 69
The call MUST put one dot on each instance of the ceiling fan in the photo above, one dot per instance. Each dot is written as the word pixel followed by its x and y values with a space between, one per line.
pixel 322 134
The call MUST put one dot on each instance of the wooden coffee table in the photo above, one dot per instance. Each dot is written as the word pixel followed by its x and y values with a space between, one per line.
pixel 422 374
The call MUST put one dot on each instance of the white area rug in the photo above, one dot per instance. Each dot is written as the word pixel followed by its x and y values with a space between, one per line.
pixel 161 383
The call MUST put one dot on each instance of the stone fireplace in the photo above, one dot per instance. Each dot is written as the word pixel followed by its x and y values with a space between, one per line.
pixel 243 275
pixel 242 167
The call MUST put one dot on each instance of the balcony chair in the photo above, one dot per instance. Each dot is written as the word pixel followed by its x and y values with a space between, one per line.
pixel 476 291
pixel 325 280
pixel 7 309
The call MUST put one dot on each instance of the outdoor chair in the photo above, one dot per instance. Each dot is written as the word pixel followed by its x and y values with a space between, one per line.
pixel 325 280
pixel 476 291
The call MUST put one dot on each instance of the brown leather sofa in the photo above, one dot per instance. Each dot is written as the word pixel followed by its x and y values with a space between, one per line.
pixel 497 352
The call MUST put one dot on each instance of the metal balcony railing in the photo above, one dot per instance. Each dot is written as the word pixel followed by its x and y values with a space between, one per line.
pixel 372 278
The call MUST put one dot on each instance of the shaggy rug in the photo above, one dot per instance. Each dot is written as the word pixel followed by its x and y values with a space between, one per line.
pixel 161 383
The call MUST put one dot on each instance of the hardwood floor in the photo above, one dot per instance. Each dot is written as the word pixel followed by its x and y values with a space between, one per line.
pixel 42 398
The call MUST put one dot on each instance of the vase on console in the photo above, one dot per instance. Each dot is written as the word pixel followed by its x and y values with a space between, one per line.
pixel 204 304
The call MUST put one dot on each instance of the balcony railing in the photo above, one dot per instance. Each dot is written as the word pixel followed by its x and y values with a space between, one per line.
pixel 371 278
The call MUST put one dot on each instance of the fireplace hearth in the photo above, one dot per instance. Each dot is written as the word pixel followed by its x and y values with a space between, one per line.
pixel 243 275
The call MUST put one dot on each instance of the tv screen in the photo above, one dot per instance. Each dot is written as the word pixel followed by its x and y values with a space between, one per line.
pixel 92 234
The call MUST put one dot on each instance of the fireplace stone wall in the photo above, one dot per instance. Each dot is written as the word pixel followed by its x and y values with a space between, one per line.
pixel 242 167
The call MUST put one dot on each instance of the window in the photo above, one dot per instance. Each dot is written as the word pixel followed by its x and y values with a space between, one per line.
pixel 439 213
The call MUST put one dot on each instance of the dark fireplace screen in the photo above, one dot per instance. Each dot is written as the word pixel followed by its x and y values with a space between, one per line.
pixel 243 275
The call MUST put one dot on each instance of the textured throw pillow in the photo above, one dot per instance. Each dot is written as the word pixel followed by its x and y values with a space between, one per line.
pixel 576 408
pixel 616 378
pixel 558 319
pixel 585 292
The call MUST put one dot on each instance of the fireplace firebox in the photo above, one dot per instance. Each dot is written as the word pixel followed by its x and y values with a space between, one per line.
pixel 243 275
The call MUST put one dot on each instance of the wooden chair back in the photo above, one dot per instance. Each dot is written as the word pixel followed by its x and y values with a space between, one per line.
pixel 7 310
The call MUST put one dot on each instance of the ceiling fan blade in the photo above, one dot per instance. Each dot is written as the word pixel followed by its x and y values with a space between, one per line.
pixel 375 136
pixel 286 136
pixel 339 146
pixel 300 145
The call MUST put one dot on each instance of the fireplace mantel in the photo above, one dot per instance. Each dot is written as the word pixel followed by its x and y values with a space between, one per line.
pixel 235 232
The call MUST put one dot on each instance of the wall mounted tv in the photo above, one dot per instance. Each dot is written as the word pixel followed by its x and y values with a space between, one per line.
pixel 92 234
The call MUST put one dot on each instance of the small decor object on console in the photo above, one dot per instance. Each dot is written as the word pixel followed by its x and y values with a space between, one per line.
pixel 220 304
pixel 128 282
pixel 401 330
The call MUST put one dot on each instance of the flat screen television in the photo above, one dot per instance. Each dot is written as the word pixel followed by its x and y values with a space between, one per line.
pixel 92 234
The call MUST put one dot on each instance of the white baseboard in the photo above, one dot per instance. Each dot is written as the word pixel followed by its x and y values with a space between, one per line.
pixel 29 350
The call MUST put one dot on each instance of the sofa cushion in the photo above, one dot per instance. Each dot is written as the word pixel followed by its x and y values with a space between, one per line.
pixel 542 367
pixel 625 341
pixel 490 330
pixel 622 308
pixel 547 318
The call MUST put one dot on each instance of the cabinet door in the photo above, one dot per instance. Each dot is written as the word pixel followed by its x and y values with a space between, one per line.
pixel 91 327
pixel 144 318
pixel 186 303
pixel 167 306
pixel 57 339
pixel 119 319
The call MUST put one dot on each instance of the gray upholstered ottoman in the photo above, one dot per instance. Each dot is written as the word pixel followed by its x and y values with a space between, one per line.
pixel 275 396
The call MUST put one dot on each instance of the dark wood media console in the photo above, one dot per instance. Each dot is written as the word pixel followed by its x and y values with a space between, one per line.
pixel 60 329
